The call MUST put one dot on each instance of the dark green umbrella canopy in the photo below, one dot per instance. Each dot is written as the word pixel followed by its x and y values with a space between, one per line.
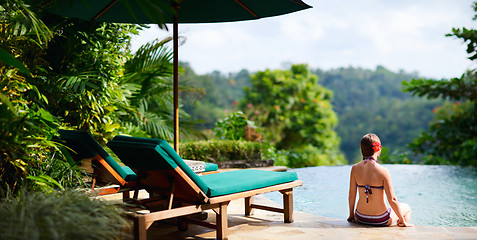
pixel 164 11
pixel 190 11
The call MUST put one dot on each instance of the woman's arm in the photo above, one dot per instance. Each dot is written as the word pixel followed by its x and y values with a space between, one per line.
pixel 392 199
pixel 352 194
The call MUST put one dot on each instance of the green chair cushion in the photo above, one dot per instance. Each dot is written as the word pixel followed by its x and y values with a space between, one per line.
pixel 243 180
pixel 209 167
pixel 84 146
pixel 129 172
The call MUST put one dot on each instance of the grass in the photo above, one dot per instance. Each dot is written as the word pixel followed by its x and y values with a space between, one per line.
pixel 70 214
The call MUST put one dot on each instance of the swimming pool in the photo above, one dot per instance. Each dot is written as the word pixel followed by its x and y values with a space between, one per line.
pixel 438 195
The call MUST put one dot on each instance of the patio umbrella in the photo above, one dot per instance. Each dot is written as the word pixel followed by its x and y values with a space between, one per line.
pixel 174 11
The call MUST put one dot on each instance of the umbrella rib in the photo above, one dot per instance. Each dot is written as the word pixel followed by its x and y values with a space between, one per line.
pixel 246 8
pixel 105 9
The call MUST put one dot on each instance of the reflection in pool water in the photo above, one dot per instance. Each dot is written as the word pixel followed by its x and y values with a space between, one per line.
pixel 438 195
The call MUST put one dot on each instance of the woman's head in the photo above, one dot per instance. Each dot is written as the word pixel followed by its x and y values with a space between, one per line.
pixel 370 144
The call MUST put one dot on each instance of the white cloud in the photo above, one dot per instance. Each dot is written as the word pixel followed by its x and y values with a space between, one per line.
pixel 404 34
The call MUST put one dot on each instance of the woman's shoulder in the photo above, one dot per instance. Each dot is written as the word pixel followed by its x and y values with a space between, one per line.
pixel 382 169
pixel 356 165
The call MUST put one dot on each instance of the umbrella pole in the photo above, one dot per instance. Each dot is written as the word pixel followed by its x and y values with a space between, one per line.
pixel 176 82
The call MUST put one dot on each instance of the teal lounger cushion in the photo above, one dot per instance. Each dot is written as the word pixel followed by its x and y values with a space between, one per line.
pixel 161 156
pixel 84 146
pixel 208 166
pixel 243 180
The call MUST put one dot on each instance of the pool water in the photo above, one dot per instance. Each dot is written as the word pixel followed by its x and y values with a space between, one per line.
pixel 438 195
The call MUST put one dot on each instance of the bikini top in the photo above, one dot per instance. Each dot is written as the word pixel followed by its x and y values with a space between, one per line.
pixel 367 188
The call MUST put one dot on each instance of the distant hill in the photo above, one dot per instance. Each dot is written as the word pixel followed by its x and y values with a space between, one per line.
pixel 372 101
pixel 365 101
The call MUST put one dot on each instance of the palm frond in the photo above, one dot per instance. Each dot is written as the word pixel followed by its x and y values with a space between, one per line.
pixel 25 21
pixel 79 82
pixel 157 125
pixel 152 60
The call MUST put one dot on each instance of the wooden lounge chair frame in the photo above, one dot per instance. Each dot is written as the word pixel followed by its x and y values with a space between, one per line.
pixel 191 199
pixel 104 173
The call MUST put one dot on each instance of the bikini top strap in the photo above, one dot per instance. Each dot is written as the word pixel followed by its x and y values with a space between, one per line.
pixel 372 159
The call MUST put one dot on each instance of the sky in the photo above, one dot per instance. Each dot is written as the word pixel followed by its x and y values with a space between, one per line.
pixel 404 35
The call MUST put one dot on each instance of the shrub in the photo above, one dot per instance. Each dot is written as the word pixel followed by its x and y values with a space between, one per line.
pixel 309 156
pixel 61 215
pixel 222 150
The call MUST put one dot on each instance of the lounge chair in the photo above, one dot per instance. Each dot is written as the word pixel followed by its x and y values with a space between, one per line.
pixel 106 172
pixel 162 171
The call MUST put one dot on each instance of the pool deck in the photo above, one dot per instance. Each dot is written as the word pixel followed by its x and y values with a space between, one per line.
pixel 270 225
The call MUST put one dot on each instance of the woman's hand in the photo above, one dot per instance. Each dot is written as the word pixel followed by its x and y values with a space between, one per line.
pixel 351 218
pixel 404 224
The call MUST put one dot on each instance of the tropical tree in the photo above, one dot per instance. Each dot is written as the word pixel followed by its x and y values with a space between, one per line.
pixel 452 137
pixel 295 114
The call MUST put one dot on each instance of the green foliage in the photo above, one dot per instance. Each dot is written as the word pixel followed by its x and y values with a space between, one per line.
pixel 83 85
pixel 294 112
pixel 462 88
pixel 279 157
pixel 10 60
pixel 148 73
pixel 452 136
pixel 59 215
pixel 46 183
pixel 395 157
pixel 233 127
pixel 309 156
pixel 222 150
pixel 27 148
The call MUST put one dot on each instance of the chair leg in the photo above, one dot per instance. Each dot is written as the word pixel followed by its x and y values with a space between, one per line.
pixel 221 221
pixel 140 228
pixel 248 206
pixel 136 194
pixel 126 196
pixel 288 205
pixel 182 224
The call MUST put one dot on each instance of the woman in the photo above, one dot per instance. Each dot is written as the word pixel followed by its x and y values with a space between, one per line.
pixel 373 180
